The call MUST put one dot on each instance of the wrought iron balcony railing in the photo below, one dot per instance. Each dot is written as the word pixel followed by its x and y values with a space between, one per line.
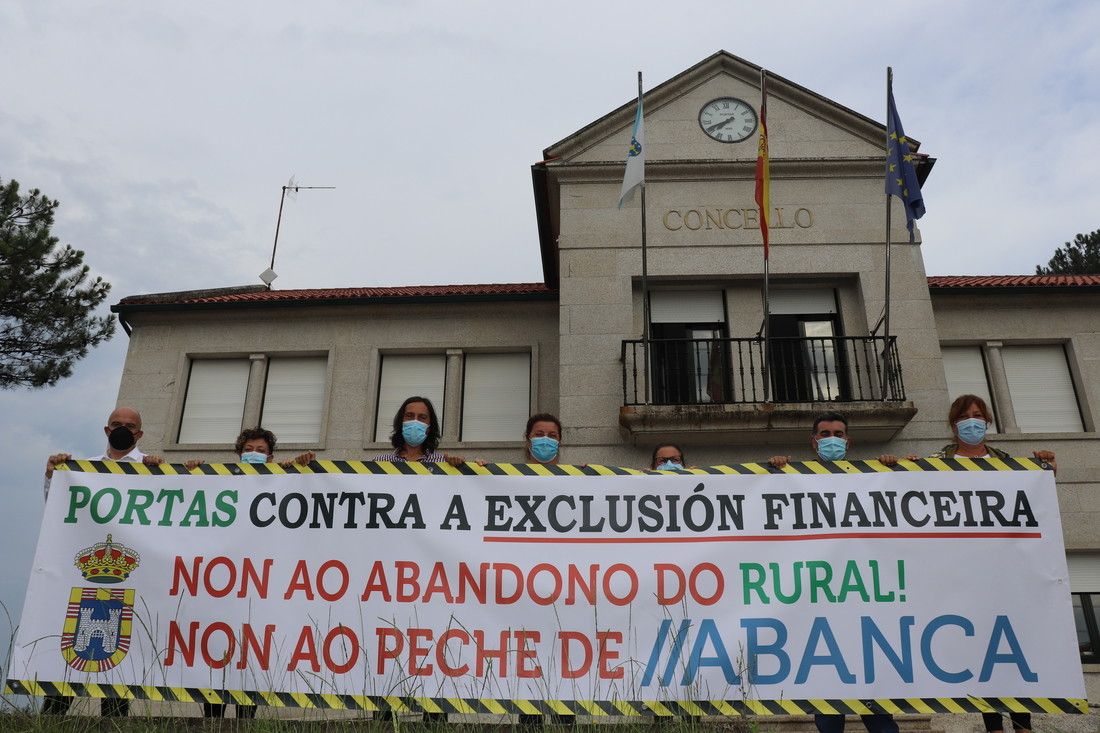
pixel 731 370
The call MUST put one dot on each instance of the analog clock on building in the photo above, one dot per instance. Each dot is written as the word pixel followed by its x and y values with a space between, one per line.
pixel 728 119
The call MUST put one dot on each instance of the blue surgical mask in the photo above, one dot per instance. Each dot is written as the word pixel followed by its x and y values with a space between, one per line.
pixel 414 432
pixel 544 449
pixel 832 448
pixel 972 430
pixel 669 466
pixel 253 457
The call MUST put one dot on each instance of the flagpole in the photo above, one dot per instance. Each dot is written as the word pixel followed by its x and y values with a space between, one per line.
pixel 767 302
pixel 886 320
pixel 645 282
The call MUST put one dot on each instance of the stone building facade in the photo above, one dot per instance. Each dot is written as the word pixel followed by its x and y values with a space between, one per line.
pixel 326 363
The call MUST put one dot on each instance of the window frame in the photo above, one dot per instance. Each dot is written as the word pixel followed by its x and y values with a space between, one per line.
pixel 1001 397
pixel 254 397
pixel 454 391
pixel 1090 605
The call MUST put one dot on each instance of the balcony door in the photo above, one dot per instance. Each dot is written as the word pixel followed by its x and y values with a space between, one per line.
pixel 807 361
pixel 689 357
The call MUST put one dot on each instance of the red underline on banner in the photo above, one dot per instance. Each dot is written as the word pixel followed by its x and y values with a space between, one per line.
pixel 768 538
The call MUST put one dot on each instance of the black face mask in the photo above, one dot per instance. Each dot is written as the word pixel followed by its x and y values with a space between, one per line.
pixel 121 438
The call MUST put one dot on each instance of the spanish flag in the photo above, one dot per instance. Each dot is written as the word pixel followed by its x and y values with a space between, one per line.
pixel 763 176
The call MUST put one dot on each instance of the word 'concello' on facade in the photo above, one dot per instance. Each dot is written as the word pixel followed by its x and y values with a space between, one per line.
pixel 746 218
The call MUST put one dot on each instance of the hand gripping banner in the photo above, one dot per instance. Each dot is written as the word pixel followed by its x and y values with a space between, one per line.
pixel 935 586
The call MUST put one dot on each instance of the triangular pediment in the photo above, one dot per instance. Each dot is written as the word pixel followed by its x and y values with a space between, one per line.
pixel 801 123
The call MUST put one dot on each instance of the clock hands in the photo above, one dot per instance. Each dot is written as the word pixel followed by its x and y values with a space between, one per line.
pixel 716 125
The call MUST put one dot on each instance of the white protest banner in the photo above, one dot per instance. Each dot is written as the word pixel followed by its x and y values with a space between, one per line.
pixel 940 586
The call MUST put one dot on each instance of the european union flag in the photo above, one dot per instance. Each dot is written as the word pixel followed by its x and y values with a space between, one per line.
pixel 901 177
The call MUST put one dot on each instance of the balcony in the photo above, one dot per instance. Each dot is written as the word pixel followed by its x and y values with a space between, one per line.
pixel 712 390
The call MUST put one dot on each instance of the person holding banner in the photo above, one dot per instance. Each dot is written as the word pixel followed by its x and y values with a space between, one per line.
pixel 253 445
pixel 416 435
pixel 123 431
pixel 830 440
pixel 667 457
pixel 970 417
pixel 257 445
pixel 543 438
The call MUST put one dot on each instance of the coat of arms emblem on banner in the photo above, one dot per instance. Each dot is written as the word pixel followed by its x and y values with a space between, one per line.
pixel 99 620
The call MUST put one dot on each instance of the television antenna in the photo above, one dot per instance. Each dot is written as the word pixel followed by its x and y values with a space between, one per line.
pixel 268 276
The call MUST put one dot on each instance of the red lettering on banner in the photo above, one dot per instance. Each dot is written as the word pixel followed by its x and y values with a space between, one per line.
pixel 249 572
pixel 630 574
pixel 187 579
pixel 351 649
pixel 484 654
pixel 408 575
pixel 230 644
pixel 688 583
pixel 437 583
pixel 576 580
pixel 606 654
pixel 249 641
pixel 523 655
pixel 417 652
pixel 466 580
pixel 385 651
pixel 441 652
pixel 546 569
pixel 299 581
pixel 663 598
pixel 376 583
pixel 344 580
pixel 492 652
pixel 186 646
pixel 569 669
pixel 190 579
pixel 304 651
pixel 517 576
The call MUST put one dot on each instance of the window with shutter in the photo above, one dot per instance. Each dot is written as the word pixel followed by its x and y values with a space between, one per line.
pixel 294 398
pixel 496 397
pixel 1041 387
pixel 405 375
pixel 213 407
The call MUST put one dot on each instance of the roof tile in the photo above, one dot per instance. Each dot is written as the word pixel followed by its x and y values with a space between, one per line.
pixel 1013 281
pixel 262 295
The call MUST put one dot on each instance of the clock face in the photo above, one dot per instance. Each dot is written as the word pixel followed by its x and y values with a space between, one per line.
pixel 728 119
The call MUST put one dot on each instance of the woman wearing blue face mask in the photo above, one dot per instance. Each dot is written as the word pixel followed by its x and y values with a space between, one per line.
pixel 667 457
pixel 543 436
pixel 970 418
pixel 416 434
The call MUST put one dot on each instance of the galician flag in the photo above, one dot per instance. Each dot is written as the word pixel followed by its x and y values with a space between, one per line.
pixel 635 158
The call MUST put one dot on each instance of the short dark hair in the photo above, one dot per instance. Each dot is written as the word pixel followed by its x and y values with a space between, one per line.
pixel 541 417
pixel 432 441
pixel 829 417
pixel 256 433
pixel 653 460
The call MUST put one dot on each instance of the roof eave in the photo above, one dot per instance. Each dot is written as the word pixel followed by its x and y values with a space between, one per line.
pixel 128 308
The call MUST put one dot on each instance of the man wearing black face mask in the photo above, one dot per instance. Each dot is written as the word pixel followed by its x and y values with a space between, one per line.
pixel 123 431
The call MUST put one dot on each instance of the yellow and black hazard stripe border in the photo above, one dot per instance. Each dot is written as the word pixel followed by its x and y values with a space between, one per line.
pixel 596 708
pixel 528 469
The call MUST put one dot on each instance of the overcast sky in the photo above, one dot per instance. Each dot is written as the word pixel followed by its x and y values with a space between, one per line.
pixel 166 130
